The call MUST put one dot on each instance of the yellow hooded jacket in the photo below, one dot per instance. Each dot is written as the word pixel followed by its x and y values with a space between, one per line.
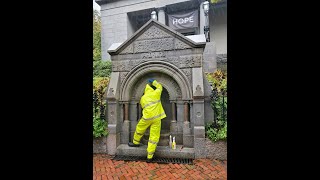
pixel 151 102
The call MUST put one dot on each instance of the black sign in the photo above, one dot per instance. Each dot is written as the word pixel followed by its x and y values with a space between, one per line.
pixel 184 21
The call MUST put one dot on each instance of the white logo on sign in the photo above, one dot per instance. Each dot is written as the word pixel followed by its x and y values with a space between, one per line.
pixel 182 20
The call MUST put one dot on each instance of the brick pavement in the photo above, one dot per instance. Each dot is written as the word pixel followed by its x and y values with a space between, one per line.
pixel 105 168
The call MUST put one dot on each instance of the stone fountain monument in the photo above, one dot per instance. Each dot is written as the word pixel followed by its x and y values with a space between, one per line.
pixel 156 51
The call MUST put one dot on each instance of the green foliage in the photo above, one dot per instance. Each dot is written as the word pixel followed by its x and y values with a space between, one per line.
pixel 101 74
pixel 215 1
pixel 215 134
pixel 99 105
pixel 102 68
pixel 96 36
pixel 219 97
pixel 219 100
pixel 218 80
pixel 99 127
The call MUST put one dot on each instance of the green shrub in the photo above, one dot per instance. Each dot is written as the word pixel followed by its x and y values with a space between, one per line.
pixel 215 134
pixel 102 68
pixel 217 130
pixel 99 105
pixel 101 74
pixel 99 127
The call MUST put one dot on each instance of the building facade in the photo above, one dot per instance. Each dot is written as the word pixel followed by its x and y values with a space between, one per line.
pixel 172 48
pixel 122 18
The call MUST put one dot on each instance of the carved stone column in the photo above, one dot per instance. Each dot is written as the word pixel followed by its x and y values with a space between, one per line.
pixel 198 112
pixel 180 121
pixel 186 112
pixel 126 124
pixel 180 115
pixel 114 112
pixel 133 116
pixel 173 125
pixel 187 137
pixel 126 111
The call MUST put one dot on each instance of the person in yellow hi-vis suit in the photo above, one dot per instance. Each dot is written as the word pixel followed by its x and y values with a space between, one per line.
pixel 152 114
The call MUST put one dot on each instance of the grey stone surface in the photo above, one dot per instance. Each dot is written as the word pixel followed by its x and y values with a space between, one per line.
pixel 114 30
pixel 125 134
pixel 209 58
pixel 161 151
pixel 199 131
pixel 199 147
pixel 173 127
pixel 216 150
pixel 154 32
pixel 100 145
pixel 113 87
pixel 120 115
pixel 146 42
pixel 180 126
pixel 197 38
pixel 207 102
pixel 132 129
pixel 191 128
pixel 198 112
pixel 114 46
pixel 112 128
pixel 222 61
pixel 188 141
pixel 161 16
pixel 180 116
pixel 113 141
pixel 131 136
pixel 186 128
pixel 219 29
pixel 222 58
pixel 202 19
pixel 209 112
pixel 114 110
pixel 191 114
pixel 197 82
pixel 168 56
pixel 133 111
pixel 154 45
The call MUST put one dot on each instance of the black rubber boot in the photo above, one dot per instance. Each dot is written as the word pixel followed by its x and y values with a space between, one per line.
pixel 133 145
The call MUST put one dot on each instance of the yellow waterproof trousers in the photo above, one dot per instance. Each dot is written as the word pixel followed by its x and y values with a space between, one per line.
pixel 155 128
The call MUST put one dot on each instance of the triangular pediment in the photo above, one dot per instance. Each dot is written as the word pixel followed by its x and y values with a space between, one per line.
pixel 152 37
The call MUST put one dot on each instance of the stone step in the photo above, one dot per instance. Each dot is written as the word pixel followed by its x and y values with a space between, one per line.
pixel 161 151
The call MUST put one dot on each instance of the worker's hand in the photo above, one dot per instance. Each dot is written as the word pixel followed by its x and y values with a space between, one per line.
pixel 150 80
